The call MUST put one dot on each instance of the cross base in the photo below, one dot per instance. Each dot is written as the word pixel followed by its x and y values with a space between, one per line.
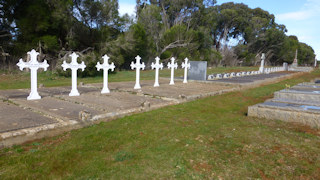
pixel 156 85
pixel 34 96
pixel 74 93
pixel 105 91
pixel 185 81
pixel 137 86
pixel 171 83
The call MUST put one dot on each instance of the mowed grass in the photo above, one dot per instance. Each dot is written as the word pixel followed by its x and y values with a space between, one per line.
pixel 21 80
pixel 211 138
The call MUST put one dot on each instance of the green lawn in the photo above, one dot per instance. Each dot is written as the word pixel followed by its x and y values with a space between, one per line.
pixel 20 80
pixel 210 138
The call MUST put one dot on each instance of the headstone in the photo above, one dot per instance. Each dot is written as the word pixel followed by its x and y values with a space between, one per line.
pixel 172 66
pixel 285 66
pixel 33 65
pixel 198 70
pixel 186 66
pixel 263 57
pixel 74 66
pixel 295 61
pixel 233 74
pixel 138 66
pixel 157 66
pixel 105 66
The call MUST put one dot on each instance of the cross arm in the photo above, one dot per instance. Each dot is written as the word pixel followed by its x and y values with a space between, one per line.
pixel 143 66
pixel 98 66
pixel 132 65
pixel 65 66
pixel 112 66
pixel 82 66
pixel 21 64
pixel 44 65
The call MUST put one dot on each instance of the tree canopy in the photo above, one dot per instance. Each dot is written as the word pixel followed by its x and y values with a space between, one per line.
pixel 227 34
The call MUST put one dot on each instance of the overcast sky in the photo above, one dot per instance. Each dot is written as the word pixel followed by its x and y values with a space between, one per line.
pixel 301 17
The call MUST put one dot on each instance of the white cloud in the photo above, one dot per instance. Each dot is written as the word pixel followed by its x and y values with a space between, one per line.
pixel 310 9
pixel 126 8
pixel 304 23
pixel 297 16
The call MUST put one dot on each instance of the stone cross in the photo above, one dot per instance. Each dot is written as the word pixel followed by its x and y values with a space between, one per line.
pixel 157 66
pixel 33 65
pixel 295 61
pixel 263 57
pixel 74 66
pixel 186 66
pixel 105 66
pixel 138 66
pixel 172 65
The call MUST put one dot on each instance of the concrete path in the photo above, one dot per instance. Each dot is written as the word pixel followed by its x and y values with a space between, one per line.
pixel 56 112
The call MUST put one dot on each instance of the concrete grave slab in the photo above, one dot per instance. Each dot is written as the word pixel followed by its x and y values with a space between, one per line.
pixel 56 107
pixel 298 95
pixel 14 93
pixel 116 101
pixel 13 118
pixel 299 113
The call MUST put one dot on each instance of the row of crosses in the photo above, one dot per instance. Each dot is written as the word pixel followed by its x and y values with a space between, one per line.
pixel 34 65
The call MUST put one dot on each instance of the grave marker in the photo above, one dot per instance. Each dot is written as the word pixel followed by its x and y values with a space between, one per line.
pixel 74 66
pixel 33 65
pixel 105 66
pixel 172 66
pixel 263 57
pixel 138 66
pixel 186 66
pixel 198 70
pixel 157 66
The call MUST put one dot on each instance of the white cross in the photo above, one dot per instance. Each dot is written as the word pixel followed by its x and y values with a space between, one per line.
pixel 138 66
pixel 186 66
pixel 74 66
pixel 33 65
pixel 172 65
pixel 157 66
pixel 263 57
pixel 105 66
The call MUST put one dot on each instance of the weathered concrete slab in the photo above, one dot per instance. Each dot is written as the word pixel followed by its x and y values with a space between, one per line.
pixel 13 118
pixel 56 107
pixel 178 92
pixel 298 95
pixel 300 104
pixel 15 93
pixel 304 114
pixel 115 101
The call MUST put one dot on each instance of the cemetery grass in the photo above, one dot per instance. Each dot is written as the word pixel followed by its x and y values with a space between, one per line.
pixel 21 80
pixel 211 138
